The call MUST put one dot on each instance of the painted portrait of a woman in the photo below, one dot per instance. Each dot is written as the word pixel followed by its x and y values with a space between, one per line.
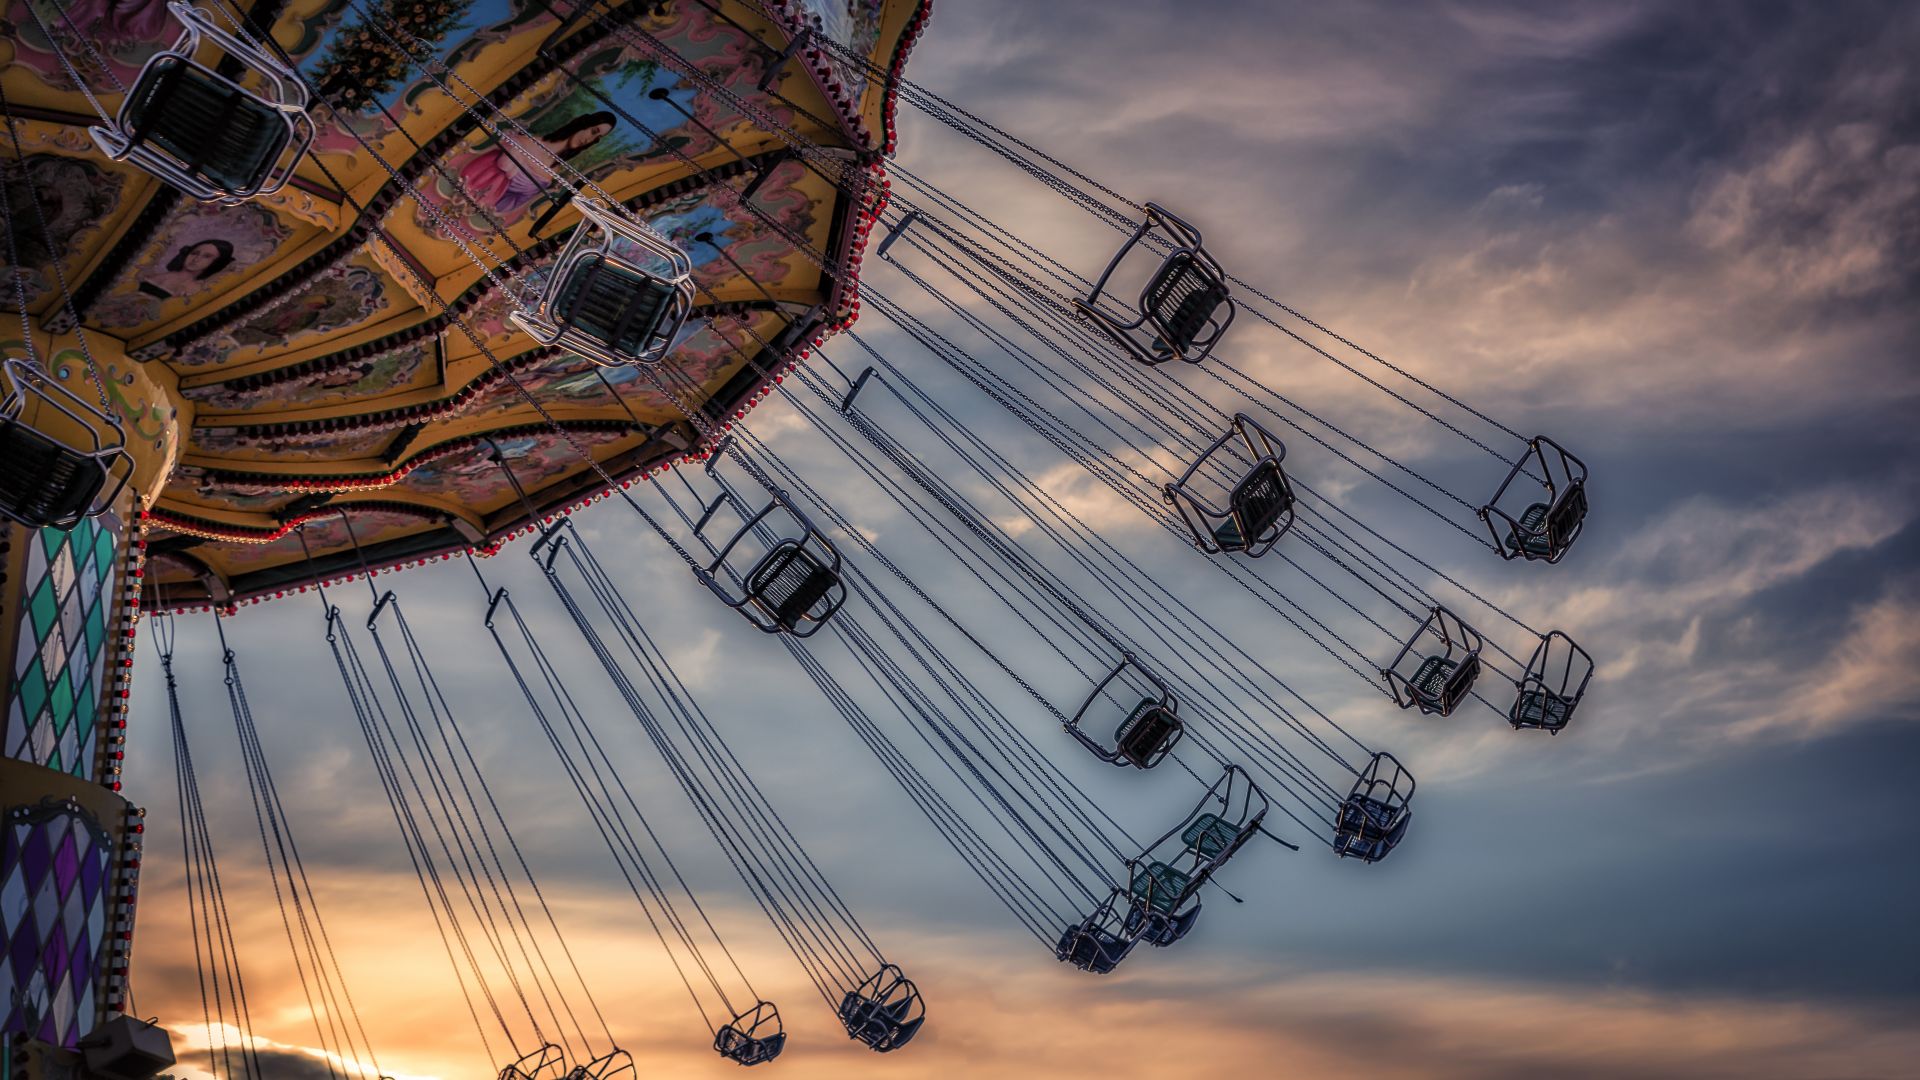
pixel 182 273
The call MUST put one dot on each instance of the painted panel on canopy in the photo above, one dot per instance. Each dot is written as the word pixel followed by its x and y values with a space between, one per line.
pixel 407 368
pixel 200 252
pixel 256 444
pixel 107 41
pixel 855 24
pixel 366 80
pixel 350 295
pixel 327 534
pixel 193 488
pixel 469 477
pixel 701 356
pixel 742 234
pixel 60 203
pixel 488 186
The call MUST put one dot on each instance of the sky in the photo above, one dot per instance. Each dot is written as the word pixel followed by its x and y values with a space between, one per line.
pixel 1682 238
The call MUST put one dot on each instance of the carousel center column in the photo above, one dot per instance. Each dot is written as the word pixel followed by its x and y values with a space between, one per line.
pixel 70 838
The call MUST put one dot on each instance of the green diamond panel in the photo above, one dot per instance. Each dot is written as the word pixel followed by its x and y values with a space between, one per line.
pixel 60 653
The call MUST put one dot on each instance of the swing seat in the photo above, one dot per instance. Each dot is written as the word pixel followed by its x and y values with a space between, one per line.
pixel 1546 525
pixel 1368 829
pixel 736 1045
pixel 1185 307
pixel 1541 709
pixel 1180 301
pixel 199 129
pixel 885 1012
pixel 1552 685
pixel 1160 886
pixel 1252 516
pixel 1148 734
pixel 222 135
pixel 1160 930
pixel 619 307
pixel 619 293
pixel 1436 668
pixel 1257 506
pixel 1441 684
pixel 1092 949
pixel 1374 817
pixel 793 586
pixel 44 481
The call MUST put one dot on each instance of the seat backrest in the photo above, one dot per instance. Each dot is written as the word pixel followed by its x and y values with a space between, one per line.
pixel 214 128
pixel 1182 298
pixel 1460 682
pixel 791 583
pixel 1260 499
pixel 1145 735
pixel 1569 511
pixel 613 303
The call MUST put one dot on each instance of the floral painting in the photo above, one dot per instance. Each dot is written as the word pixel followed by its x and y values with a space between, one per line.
pixel 337 445
pixel 471 478
pixel 339 297
pixel 107 41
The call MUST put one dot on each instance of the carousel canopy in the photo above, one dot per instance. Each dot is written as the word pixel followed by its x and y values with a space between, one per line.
pixel 338 353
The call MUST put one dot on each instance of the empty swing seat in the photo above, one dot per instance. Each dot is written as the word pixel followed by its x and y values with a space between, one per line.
pixel 1211 836
pixel 1555 680
pixel 196 126
pixel 1148 734
pixel 1160 930
pixel 1092 949
pixel 1437 667
pixel 1249 517
pixel 752 1038
pixel 1547 523
pixel 616 305
pixel 218 132
pixel 1541 709
pixel 1374 817
pixel 619 293
pixel 1185 306
pixel 793 586
pixel 1256 505
pixel 885 1012
pixel 46 482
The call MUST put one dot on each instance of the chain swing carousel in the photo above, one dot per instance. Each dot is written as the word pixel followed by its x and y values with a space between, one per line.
pixel 311 290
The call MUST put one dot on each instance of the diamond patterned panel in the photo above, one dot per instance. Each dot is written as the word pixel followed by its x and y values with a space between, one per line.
pixel 54 894
pixel 59 659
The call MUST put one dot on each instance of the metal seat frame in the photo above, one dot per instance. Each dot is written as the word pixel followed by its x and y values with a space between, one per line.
pixel 1539 530
pixel 803 543
pixel 1187 255
pixel 884 1012
pixel 1205 519
pixel 1552 685
pixel 1374 817
pixel 1235 799
pixel 1158 697
pixel 531 1066
pixel 27 382
pixel 745 1040
pixel 614 1063
pixel 1456 665
pixel 285 94
pixel 595 243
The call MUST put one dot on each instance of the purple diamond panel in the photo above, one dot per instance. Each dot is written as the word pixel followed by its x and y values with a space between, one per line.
pixel 54 895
